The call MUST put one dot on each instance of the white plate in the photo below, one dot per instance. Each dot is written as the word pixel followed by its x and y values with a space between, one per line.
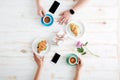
pixel 70 33
pixel 35 45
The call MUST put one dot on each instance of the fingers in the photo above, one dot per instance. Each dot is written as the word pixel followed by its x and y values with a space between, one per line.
pixel 43 12
pixel 66 21
pixel 34 55
pixel 60 20
pixel 63 20
pixel 74 0
pixel 64 17
pixel 37 57
pixel 79 60
pixel 40 14
pixel 43 58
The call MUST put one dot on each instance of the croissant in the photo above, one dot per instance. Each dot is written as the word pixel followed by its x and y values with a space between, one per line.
pixel 42 46
pixel 75 29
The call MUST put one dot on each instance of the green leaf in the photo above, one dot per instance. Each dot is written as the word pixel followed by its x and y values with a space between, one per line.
pixel 86 44
pixel 80 50
pixel 83 53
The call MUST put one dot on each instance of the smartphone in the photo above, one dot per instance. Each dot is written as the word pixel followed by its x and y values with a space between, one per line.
pixel 55 58
pixel 54 7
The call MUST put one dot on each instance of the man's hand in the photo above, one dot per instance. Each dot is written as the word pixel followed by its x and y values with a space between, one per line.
pixel 65 16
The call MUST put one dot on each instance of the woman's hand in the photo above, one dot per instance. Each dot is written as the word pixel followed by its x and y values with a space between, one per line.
pixel 65 16
pixel 41 11
pixel 78 68
pixel 39 60
pixel 79 65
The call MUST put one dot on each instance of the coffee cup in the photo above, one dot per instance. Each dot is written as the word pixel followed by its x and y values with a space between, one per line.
pixel 47 19
pixel 72 59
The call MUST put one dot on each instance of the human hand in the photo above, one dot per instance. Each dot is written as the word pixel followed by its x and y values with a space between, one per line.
pixel 39 60
pixel 65 16
pixel 79 65
pixel 41 11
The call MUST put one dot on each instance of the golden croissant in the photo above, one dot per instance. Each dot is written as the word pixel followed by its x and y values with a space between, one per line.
pixel 75 29
pixel 42 46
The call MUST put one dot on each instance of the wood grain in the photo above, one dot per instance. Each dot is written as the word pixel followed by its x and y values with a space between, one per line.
pixel 20 25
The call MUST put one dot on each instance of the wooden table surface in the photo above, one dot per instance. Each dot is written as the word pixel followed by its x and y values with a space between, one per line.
pixel 20 25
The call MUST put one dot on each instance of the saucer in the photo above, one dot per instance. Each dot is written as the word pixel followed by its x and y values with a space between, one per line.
pixel 49 24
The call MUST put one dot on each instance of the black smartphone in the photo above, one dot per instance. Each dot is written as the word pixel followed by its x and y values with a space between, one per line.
pixel 54 7
pixel 55 58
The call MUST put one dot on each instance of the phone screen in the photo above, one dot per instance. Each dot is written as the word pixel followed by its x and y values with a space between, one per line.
pixel 54 7
pixel 55 58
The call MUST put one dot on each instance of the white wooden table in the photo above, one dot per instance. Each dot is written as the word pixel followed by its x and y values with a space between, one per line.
pixel 20 25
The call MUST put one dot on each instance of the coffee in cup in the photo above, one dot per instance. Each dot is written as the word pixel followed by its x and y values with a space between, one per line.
pixel 73 60
pixel 47 19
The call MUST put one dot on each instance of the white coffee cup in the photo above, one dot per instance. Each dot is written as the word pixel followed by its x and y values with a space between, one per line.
pixel 46 19
pixel 73 60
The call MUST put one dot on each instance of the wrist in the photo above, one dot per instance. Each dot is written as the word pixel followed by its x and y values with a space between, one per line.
pixel 39 5
pixel 78 70
pixel 39 68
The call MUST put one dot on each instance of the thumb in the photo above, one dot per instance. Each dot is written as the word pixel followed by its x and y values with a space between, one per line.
pixel 43 12
pixel 33 54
